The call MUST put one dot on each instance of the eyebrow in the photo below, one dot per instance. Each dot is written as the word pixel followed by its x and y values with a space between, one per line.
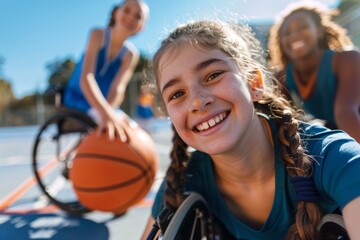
pixel 207 63
pixel 198 67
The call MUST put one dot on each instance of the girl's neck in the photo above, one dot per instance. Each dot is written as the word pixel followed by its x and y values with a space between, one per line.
pixel 117 37
pixel 251 162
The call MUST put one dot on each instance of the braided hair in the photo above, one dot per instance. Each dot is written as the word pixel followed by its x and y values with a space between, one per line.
pixel 238 42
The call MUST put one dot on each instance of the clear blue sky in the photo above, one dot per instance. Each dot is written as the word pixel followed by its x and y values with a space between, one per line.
pixel 36 32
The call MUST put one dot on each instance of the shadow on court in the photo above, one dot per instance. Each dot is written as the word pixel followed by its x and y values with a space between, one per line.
pixel 51 226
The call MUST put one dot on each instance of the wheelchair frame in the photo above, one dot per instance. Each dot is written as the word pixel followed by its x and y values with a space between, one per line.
pixel 53 151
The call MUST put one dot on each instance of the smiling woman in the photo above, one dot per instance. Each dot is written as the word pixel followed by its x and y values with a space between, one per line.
pixel 317 63
pixel 98 84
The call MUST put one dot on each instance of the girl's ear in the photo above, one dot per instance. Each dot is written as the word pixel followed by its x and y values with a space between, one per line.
pixel 256 86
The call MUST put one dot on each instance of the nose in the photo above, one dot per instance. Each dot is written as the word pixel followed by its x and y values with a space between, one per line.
pixel 201 101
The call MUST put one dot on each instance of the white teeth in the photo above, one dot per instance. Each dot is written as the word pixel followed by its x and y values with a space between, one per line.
pixel 211 122
pixel 297 44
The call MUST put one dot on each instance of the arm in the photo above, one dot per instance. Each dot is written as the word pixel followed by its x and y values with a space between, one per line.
pixel 148 228
pixel 347 102
pixel 92 92
pixel 118 87
pixel 351 214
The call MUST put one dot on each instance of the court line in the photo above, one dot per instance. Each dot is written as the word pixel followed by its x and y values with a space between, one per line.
pixel 23 188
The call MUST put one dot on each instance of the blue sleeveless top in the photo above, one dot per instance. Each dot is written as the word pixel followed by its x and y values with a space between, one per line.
pixel 321 102
pixel 336 157
pixel 105 72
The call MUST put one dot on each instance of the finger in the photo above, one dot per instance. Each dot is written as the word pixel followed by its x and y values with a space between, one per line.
pixel 121 133
pixel 111 132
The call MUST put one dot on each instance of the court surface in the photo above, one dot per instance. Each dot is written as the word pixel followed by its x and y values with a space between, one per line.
pixel 26 214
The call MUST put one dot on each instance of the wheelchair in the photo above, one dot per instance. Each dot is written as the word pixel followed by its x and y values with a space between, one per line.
pixel 53 151
pixel 193 221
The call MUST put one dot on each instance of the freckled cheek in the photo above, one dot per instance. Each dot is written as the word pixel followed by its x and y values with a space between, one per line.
pixel 178 118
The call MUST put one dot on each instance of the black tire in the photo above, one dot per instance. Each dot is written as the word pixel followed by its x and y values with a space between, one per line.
pixel 332 227
pixel 53 151
pixel 191 220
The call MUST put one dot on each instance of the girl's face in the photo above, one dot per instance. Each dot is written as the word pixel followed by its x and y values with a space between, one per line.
pixel 131 17
pixel 206 98
pixel 298 36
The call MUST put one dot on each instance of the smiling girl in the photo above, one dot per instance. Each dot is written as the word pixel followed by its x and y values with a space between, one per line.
pixel 249 146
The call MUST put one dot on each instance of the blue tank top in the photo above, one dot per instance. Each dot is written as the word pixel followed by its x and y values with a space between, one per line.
pixel 105 72
pixel 321 102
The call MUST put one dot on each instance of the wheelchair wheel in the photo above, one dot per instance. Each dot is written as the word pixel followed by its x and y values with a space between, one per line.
pixel 54 148
pixel 332 227
pixel 191 220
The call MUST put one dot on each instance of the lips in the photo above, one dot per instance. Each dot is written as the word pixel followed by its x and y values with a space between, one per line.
pixel 211 122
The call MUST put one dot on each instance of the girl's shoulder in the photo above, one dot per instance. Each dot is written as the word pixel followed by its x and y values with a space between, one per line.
pixel 131 48
pixel 346 59
pixel 97 36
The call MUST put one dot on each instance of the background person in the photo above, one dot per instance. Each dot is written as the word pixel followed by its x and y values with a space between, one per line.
pixel 315 62
pixel 98 83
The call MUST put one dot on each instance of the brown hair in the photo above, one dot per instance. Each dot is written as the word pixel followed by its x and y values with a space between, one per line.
pixel 112 16
pixel 240 44
pixel 334 36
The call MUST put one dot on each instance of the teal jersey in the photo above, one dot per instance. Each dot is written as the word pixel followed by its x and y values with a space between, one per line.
pixel 336 176
pixel 321 102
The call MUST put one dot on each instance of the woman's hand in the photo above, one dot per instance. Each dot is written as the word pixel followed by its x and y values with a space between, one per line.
pixel 114 124
pixel 113 128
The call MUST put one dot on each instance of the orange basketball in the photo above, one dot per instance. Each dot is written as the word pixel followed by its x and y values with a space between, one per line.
pixel 112 175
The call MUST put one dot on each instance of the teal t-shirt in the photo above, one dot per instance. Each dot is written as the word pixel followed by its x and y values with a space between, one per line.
pixel 335 173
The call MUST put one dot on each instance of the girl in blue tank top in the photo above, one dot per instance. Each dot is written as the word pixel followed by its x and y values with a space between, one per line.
pixel 312 56
pixel 98 83
pixel 263 173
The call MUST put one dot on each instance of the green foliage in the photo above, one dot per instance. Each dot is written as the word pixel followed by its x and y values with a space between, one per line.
pixel 60 72
pixel 6 93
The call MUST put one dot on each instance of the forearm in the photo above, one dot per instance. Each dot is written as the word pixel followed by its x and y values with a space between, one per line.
pixel 116 97
pixel 94 96
pixel 148 228
pixel 351 213
pixel 348 119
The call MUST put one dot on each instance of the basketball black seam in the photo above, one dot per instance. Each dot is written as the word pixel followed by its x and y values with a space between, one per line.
pixel 107 157
pixel 143 172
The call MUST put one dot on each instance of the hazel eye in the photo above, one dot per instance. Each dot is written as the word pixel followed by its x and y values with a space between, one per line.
pixel 176 95
pixel 213 76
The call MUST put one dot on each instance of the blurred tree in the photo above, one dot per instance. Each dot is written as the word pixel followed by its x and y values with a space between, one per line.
pixel 6 93
pixel 60 72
